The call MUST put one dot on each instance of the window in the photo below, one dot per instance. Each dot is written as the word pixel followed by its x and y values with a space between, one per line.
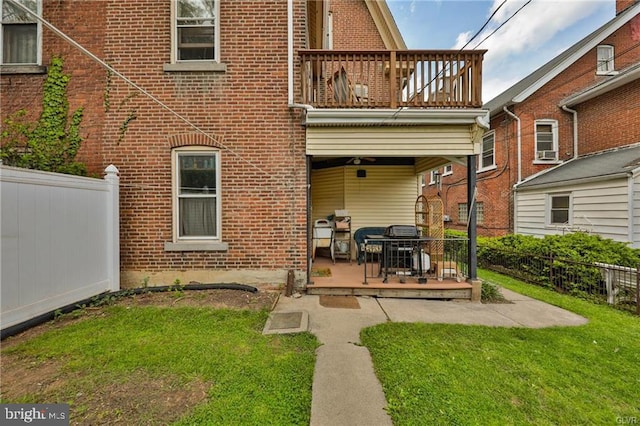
pixel 605 59
pixel 196 30
pixel 423 180
pixel 559 209
pixel 196 194
pixel 488 157
pixel 546 140
pixel 463 213
pixel 20 33
pixel 448 170
pixel 433 177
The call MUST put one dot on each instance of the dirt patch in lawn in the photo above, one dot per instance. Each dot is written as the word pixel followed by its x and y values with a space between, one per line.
pixel 140 399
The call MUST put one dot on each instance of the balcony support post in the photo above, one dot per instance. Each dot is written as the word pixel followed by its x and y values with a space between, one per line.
pixel 392 80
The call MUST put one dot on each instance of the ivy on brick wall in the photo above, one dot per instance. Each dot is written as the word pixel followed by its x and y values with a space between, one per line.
pixel 52 142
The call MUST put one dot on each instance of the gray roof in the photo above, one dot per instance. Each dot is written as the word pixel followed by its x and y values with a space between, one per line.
pixel 613 163
pixel 506 97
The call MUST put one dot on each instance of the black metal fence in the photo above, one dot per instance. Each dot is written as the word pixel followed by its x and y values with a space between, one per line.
pixel 415 259
pixel 615 285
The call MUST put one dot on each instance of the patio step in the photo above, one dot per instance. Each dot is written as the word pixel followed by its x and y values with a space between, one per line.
pixel 424 291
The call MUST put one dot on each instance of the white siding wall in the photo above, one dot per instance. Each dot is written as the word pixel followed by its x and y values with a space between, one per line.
pixel 599 207
pixel 635 197
pixel 415 141
pixel 60 241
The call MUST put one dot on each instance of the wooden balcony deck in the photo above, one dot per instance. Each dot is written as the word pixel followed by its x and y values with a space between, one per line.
pixel 392 79
pixel 345 278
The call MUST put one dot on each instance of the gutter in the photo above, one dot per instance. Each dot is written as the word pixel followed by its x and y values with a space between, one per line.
pixel 519 139
pixel 575 128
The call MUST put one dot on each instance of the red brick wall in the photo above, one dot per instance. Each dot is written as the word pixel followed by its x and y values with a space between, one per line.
pixel 610 120
pixel 353 26
pixel 84 22
pixel 245 109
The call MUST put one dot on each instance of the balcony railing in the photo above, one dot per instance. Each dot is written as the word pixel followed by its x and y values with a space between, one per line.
pixel 392 79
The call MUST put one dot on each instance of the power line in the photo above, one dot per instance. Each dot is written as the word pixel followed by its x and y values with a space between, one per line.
pixel 502 24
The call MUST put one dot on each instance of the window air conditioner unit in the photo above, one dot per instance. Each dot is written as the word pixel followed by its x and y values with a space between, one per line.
pixel 546 155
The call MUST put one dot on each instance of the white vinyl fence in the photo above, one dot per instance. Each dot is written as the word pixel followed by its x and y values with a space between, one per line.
pixel 60 241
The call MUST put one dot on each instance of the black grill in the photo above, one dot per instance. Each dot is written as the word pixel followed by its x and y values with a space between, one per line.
pixel 401 231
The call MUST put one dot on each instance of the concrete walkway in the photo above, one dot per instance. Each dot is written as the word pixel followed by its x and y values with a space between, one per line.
pixel 346 390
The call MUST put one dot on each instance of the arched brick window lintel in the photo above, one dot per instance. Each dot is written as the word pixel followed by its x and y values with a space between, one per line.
pixel 194 139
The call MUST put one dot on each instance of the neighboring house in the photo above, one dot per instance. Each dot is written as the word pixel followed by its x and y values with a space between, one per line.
pixel 598 192
pixel 265 116
pixel 534 128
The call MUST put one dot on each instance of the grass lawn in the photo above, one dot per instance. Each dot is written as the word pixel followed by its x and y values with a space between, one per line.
pixel 243 376
pixel 465 375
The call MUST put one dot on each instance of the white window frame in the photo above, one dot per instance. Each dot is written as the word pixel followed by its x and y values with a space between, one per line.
pixel 447 170
pixel 38 39
pixel 175 155
pixel 485 137
pixel 174 36
pixel 605 55
pixel 432 177
pixel 541 155
pixel 549 209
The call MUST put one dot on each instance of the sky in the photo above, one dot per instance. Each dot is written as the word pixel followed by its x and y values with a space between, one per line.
pixel 538 33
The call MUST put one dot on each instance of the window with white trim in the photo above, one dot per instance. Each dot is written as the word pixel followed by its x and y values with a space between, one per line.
pixel 559 209
pixel 605 54
pixel 20 33
pixel 448 170
pixel 432 177
pixel 196 30
pixel 487 159
pixel 546 134
pixel 196 194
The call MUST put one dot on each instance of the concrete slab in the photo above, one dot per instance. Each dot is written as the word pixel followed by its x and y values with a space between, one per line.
pixel 444 312
pixel 286 322
pixel 346 390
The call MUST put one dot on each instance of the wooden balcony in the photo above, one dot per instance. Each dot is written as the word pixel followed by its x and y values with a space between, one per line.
pixel 392 79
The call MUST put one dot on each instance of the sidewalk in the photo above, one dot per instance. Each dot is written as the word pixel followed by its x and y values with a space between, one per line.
pixel 346 390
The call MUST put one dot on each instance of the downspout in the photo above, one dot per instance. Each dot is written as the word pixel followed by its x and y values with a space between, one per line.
pixel 519 140
pixel 290 100
pixel 575 128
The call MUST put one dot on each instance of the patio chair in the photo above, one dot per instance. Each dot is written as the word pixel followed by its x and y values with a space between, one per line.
pixel 370 248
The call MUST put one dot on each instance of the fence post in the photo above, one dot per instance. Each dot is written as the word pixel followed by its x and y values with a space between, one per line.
pixel 113 227
pixel 551 269
pixel 638 290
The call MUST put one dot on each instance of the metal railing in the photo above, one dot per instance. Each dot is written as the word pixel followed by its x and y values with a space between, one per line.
pixel 392 79
pixel 615 285
pixel 415 259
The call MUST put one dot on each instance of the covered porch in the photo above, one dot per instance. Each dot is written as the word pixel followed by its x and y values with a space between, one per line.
pixel 375 121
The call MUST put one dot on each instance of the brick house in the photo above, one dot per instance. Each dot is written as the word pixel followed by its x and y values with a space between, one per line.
pixel 242 123
pixel 532 131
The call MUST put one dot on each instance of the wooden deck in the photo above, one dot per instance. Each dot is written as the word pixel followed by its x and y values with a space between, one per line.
pixel 345 278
